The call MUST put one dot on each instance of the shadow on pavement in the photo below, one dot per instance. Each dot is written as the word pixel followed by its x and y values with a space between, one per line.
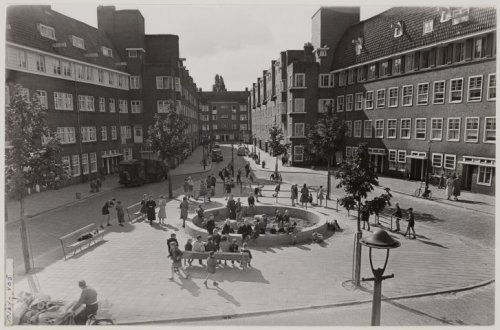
pixel 83 252
pixel 189 285
pixel 224 294
pixel 230 273
pixel 469 202
pixel 431 243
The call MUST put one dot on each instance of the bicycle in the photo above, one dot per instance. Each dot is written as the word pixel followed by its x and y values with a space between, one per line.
pixel 421 191
pixel 69 319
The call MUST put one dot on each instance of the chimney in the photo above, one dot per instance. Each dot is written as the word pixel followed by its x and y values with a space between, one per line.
pixel 308 48
pixel 246 89
pixel 199 90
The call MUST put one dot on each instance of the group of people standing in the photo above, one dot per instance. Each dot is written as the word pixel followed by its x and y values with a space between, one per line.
pixel 306 196
pixel 453 184
pixel 148 209
pixel 106 214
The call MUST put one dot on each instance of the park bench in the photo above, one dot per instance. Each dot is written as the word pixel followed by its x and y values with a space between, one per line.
pixel 226 256
pixel 134 212
pixel 80 239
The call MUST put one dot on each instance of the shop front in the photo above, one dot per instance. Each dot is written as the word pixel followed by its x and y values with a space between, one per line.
pixel 478 174
pixel 377 156
pixel 418 165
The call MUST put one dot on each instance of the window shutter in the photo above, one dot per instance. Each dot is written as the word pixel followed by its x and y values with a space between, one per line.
pixel 432 57
pixel 389 67
pixel 468 49
pixel 449 54
pixel 489 45
pixel 416 61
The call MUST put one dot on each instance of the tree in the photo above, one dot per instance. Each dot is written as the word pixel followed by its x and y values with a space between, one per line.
pixel 275 142
pixel 28 161
pixel 168 138
pixel 358 177
pixel 219 85
pixel 327 137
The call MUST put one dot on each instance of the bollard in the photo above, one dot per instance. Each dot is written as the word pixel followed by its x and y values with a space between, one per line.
pixel 78 195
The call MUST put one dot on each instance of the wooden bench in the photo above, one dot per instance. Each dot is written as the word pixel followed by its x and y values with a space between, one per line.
pixel 226 256
pixel 135 211
pixel 70 241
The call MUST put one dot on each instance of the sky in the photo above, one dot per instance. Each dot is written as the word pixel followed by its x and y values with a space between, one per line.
pixel 234 39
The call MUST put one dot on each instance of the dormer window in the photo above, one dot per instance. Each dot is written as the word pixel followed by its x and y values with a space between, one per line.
pixel 358 45
pixel 78 42
pixel 132 53
pixel 428 26
pixel 398 29
pixel 107 51
pixel 47 31
pixel 445 15
pixel 460 15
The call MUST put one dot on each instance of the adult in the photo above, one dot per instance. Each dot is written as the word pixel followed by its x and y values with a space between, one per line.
pixel 120 213
pixel 210 246
pixel 296 192
pixel 211 224
pixel 186 188
pixel 277 190
pixel 88 298
pixel 211 270
pixel 224 245
pixel 228 185
pixel 398 214
pixel 213 180
pixel 411 223
pixel 263 224
pixel 304 195
pixel 144 209
pixel 238 209
pixel 199 246
pixel 286 217
pixel 234 248
pixel 217 238
pixel 105 212
pixel 246 231
pixel 293 195
pixel 203 189
pixel 176 255
pixel 151 210
pixel 365 216
pixel 190 187
pixel 256 230
pixel 188 247
pixel 172 239
pixel 162 211
pixel 251 203
pixel 321 195
pixel 231 207
pixel 456 187
pixel 238 177
pixel 226 228
pixel 184 206
pixel 247 169
pixel 201 214
pixel 221 175
pixel 450 185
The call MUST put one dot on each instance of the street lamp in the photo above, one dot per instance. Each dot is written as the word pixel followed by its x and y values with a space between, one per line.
pixel 427 171
pixel 379 240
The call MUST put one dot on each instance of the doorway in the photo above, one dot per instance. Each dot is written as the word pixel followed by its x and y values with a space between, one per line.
pixel 417 169
pixel 378 163
pixel 467 177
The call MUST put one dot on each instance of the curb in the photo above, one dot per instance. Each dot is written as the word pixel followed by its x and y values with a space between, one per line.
pixel 203 171
pixel 302 308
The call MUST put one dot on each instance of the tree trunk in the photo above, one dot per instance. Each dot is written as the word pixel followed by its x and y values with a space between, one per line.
pixel 329 180
pixel 169 179
pixel 357 260
pixel 24 239
pixel 276 167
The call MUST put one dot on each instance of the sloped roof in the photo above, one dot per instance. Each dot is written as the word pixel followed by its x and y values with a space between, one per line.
pixel 24 20
pixel 230 96
pixel 378 35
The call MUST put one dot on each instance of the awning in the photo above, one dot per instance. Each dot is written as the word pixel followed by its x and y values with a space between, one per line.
pixel 110 156
pixel 478 161
pixel 475 163
pixel 416 156
pixel 376 151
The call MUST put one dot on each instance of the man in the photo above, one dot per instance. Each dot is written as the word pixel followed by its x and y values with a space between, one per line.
pixel 105 211
pixel 169 243
pixel 238 177
pixel 411 223
pixel 398 214
pixel 87 298
pixel 251 203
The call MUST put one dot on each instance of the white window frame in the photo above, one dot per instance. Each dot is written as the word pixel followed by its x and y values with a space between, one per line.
pixel 122 106
pixel 135 106
pixel 491 88
pixel 348 124
pixel 85 164
pixel 466 130
pixel 367 100
pixel 454 161
pixel 86 103
pixel 438 97
pixel 402 159
pixel 382 104
pixel 114 134
pixel 486 130
pixel 348 152
pixel 417 130
pixel 163 82
pixel 367 127
pixel 329 80
pixel 340 103
pixel 428 27
pixel 88 134
pixel 102 104
pixel 396 65
pixel 295 129
pixel 392 129
pixel 358 102
pixel 357 128
pixel 78 43
pixel 394 97
pixel 403 96
pixel 104 133
pixel 433 120
pixel 342 78
pixel 322 105
pixel 297 153
pixel 401 128
pixel 349 100
pixel 437 157
pixel 361 74
pixel 448 120
pixel 480 180
pixel 106 51
pixel 296 80
pixel 480 89
pixel 75 164
pixel 67 135
pixel 452 90
pixel 112 105
pixel 163 106
pixel 93 162
pixel 47 31
pixel 42 97
pixel 132 53
pixel 135 82
pixel 298 103
pixel 426 94
pixel 379 129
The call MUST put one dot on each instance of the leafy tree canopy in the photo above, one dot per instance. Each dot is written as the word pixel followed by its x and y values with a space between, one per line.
pixel 327 136
pixel 219 85
pixel 168 135
pixel 276 138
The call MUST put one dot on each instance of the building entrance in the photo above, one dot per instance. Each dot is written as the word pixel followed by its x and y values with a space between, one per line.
pixel 417 169
pixel 378 163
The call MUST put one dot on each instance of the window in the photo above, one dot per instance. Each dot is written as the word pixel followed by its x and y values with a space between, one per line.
pixel 410 62
pixel 135 82
pixel 75 163
pixel 449 161
pixel 402 156
pixel 42 97
pixel 86 103
pixel 357 128
pixel 420 128
pixel 437 160
pixel 453 129
pixel 111 105
pixel 122 106
pixel 78 42
pixel 442 56
pixel 475 88
pixel 361 74
pixel 93 162
pixel 178 87
pixel 348 152
pixel 298 153
pixel 436 129
pixel 56 66
pixel 392 159
pixel 358 105
pixel 492 85
pixel 325 105
pixel 224 116
pixel 21 59
pixel 367 129
pixel 66 68
pixel 66 134
pixel 490 129
pixel 459 52
pixel 471 129
pixel 104 133
pixel 63 101
pixel 100 76
pixel 214 126
pixel 348 101
pixel 163 82
pixel 325 80
pixel 132 53
pixel 405 130
pixel 422 93
pixel 299 105
pixel 40 63
pixel 438 92
pixel 243 127
pixel 484 175
pixel 243 107
pixel 340 103
pixel 243 117
pixel 428 26
pixel 398 29
pixel 393 97
pixel 392 125
pixel 381 98
pixel 445 15
pixel 111 78
pixel 136 106
pixel 108 52
pixel 384 68
pixel 350 76
pixel 379 128
pixel 396 65
pixel 425 59
pixel 369 100
pixel 348 124
pixel 113 133
pixel 299 80
pixel 88 134
pixel 47 31
pixel 299 130
pixel 214 117
pixel 102 104
pixel 372 71
pixel 66 164
pixel 456 89
pixel 85 163
pixel 479 47
pixel 342 78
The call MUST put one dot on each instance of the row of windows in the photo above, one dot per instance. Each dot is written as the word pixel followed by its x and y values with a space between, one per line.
pixel 233 117
pixel 87 165
pixel 471 133
pixel 234 126
pixel 168 82
pixel 67 135
pixel 215 108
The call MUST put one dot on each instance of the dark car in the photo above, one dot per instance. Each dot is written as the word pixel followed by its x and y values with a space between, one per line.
pixel 217 155
pixel 136 172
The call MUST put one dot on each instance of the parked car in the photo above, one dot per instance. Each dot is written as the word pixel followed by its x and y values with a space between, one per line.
pixel 217 155
pixel 136 172
pixel 242 151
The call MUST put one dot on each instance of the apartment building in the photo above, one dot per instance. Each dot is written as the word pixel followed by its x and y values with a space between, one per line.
pixel 102 85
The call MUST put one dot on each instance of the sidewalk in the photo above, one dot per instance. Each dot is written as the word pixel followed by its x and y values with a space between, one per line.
pixel 467 200
pixel 44 201
pixel 130 272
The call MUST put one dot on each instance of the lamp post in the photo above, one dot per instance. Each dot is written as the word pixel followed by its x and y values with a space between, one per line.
pixel 379 240
pixel 232 158
pixel 427 170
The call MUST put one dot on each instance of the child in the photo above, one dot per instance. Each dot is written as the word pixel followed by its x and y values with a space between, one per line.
pixel 224 246
pixel 211 269
pixel 176 256
pixel 188 247
pixel 245 249
pixel 120 213
pixel 233 248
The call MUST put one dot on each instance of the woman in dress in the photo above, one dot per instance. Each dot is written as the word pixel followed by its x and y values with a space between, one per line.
pixel 144 209
pixel 456 187
pixel 231 207
pixel 162 212
pixel 151 209
pixel 321 195
pixel 120 213
pixel 184 210
pixel 304 195
pixel 449 186
pixel 293 195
